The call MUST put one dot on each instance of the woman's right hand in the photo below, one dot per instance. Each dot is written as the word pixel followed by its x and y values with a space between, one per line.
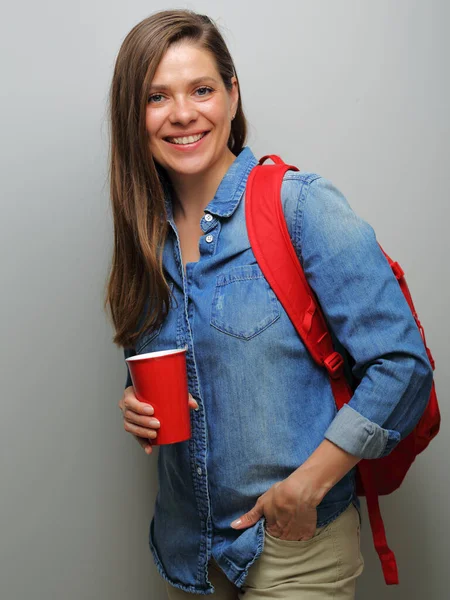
pixel 138 419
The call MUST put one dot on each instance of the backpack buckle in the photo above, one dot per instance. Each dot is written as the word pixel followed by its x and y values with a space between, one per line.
pixel 398 271
pixel 334 364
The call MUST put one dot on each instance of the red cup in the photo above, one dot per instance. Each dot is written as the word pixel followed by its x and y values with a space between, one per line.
pixel 160 379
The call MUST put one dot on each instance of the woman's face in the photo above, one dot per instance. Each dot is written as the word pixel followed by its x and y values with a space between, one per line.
pixel 188 97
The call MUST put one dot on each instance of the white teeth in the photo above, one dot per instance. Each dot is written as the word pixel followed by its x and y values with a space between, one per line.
pixel 187 140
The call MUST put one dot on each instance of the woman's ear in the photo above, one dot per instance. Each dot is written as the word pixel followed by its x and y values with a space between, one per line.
pixel 234 95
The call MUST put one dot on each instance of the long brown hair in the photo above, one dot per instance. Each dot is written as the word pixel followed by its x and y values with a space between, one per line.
pixel 136 290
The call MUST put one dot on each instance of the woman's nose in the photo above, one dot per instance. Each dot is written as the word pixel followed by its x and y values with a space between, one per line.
pixel 183 111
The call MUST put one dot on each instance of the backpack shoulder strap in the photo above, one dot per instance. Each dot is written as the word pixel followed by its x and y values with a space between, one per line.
pixel 272 246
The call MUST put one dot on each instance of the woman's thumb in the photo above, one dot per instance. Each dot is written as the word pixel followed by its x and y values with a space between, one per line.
pixel 193 402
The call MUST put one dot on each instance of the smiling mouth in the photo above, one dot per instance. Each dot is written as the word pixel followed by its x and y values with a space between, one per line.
pixel 186 140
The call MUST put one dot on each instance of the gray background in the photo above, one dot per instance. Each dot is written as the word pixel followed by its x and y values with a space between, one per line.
pixel 355 91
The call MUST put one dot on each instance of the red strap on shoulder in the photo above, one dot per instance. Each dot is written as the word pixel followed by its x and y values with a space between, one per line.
pixel 271 244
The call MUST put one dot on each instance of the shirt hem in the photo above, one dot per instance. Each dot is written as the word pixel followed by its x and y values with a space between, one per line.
pixel 239 582
pixel 185 588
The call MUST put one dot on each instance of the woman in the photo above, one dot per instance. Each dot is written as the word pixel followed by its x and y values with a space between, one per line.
pixel 261 500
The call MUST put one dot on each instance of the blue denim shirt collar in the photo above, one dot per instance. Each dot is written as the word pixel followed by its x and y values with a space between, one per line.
pixel 231 188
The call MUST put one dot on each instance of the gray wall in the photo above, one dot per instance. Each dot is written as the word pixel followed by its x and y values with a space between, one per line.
pixel 356 91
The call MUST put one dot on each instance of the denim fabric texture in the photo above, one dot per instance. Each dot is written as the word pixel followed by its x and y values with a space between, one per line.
pixel 264 405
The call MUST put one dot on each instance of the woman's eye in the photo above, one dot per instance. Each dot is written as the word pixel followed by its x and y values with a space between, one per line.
pixel 150 98
pixel 204 88
pixel 153 97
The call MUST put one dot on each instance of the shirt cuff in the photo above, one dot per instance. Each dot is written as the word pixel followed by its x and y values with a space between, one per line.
pixel 357 435
pixel 128 381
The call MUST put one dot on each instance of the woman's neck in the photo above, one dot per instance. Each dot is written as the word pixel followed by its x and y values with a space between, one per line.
pixel 192 194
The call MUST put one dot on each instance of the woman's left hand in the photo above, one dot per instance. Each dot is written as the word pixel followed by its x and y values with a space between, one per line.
pixel 289 513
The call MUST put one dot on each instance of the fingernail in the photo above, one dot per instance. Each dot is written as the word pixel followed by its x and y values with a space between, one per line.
pixel 236 523
pixel 149 410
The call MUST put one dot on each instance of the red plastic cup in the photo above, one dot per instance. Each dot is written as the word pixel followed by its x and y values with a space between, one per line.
pixel 160 379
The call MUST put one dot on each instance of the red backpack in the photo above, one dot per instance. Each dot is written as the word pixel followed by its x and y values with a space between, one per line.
pixel 276 256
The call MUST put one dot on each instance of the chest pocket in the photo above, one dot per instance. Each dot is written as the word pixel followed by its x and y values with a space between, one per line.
pixel 144 341
pixel 243 303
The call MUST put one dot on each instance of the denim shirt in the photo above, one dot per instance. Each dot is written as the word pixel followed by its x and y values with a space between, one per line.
pixel 264 404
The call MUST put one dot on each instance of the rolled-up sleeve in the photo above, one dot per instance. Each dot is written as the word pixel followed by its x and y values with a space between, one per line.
pixel 367 312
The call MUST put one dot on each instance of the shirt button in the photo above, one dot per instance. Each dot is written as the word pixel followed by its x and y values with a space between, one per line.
pixel 209 238
pixel 199 471
pixel 208 217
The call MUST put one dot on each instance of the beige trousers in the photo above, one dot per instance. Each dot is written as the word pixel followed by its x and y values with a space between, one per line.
pixel 326 566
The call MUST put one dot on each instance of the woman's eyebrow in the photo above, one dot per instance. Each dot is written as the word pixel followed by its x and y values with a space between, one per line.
pixel 155 86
